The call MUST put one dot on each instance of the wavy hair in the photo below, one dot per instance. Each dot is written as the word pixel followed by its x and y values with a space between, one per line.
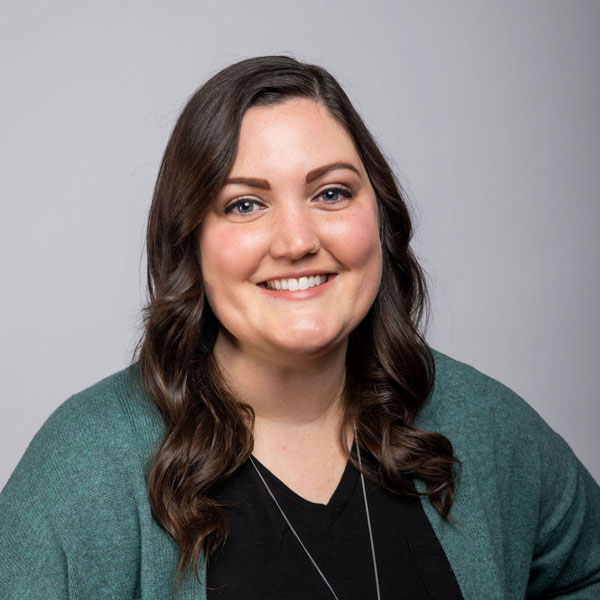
pixel 390 368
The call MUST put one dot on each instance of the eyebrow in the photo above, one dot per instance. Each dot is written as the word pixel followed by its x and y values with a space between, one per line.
pixel 257 183
pixel 311 176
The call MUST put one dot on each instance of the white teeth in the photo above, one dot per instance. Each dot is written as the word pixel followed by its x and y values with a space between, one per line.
pixel 292 284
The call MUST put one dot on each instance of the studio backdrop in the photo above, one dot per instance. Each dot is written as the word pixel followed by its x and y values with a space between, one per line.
pixel 488 112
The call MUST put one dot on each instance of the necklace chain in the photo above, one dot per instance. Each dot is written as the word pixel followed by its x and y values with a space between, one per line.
pixel 312 560
pixel 362 481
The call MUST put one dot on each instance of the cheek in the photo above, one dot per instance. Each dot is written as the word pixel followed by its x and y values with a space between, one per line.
pixel 228 255
pixel 356 240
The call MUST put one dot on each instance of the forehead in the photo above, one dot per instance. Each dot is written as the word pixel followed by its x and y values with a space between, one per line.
pixel 296 135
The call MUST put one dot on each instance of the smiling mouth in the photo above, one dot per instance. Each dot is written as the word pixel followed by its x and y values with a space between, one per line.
pixel 291 284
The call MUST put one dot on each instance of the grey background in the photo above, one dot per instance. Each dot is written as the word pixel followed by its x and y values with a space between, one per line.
pixel 488 111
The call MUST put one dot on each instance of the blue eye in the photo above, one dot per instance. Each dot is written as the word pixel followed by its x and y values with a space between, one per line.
pixel 333 194
pixel 243 206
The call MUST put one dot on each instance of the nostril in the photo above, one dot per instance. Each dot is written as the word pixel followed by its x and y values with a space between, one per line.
pixel 295 241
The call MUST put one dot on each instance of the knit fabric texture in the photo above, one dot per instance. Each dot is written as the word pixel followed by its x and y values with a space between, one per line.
pixel 75 521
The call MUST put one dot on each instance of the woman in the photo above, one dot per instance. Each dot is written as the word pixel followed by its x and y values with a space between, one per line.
pixel 286 432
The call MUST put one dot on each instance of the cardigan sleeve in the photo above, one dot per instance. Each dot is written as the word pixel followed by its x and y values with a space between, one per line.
pixel 69 525
pixel 33 559
pixel 566 561
pixel 33 563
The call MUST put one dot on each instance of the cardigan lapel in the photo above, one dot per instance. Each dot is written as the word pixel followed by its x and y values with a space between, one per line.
pixel 467 543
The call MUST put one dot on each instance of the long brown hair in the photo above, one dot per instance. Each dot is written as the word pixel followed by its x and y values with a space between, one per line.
pixel 390 369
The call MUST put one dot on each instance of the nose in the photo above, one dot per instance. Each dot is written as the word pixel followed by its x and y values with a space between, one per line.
pixel 294 233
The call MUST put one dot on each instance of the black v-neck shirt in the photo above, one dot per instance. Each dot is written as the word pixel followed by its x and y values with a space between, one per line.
pixel 263 560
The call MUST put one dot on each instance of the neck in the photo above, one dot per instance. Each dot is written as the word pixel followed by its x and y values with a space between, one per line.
pixel 298 407
pixel 290 391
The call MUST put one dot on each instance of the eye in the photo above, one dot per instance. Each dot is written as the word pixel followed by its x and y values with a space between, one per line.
pixel 332 194
pixel 243 206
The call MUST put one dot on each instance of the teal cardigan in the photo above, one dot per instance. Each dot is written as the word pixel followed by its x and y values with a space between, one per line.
pixel 75 520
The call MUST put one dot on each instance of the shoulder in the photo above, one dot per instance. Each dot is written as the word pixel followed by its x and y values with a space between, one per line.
pixel 504 443
pixel 78 497
pixel 496 434
pixel 94 440
pixel 466 400
pixel 105 422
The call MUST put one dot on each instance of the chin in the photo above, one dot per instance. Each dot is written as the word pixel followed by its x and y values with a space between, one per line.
pixel 307 342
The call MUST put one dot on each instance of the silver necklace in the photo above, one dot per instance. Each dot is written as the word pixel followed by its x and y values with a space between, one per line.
pixel 312 560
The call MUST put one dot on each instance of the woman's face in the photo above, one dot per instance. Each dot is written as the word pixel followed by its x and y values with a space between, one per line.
pixel 297 184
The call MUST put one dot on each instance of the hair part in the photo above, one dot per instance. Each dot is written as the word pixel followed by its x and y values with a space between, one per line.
pixel 390 368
